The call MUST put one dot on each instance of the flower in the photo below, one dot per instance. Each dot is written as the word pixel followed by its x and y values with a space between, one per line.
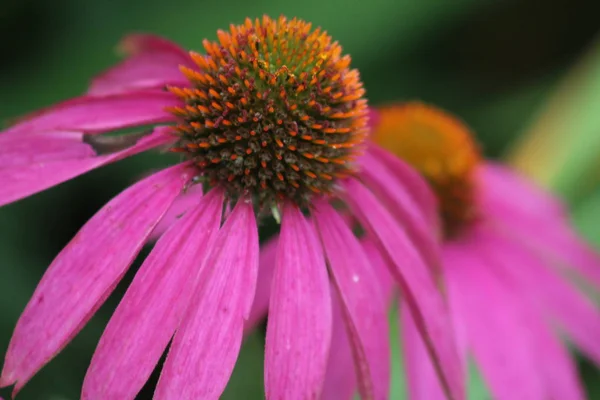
pixel 270 120
pixel 510 261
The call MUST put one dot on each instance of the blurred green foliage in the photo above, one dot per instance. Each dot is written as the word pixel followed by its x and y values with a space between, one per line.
pixel 492 62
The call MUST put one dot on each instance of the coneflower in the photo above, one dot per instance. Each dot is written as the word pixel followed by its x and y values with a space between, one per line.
pixel 510 261
pixel 269 120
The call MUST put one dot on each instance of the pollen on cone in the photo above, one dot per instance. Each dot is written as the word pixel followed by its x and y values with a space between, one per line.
pixel 273 110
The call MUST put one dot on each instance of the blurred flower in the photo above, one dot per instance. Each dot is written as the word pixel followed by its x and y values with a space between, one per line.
pixel 510 263
pixel 270 119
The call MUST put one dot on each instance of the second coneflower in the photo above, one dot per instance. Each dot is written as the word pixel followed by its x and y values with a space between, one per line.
pixel 510 260
pixel 271 119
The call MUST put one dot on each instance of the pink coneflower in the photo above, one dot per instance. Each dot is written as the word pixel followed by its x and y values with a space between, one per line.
pixel 270 120
pixel 510 259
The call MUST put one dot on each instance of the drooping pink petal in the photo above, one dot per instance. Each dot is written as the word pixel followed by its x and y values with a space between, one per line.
pixel 417 283
pixel 524 195
pixel 408 213
pixel 554 363
pixel 20 181
pixel 560 375
pixel 557 298
pixel 496 328
pixel 386 281
pixel 539 220
pixel 514 266
pixel 299 326
pixel 153 306
pixel 139 43
pixel 362 301
pixel 266 268
pixel 92 114
pixel 206 346
pixel 154 63
pixel 20 150
pixel 85 272
pixel 422 380
pixel 180 206
pixel 340 379
pixel 416 186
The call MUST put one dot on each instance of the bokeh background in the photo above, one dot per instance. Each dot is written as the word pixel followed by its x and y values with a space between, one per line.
pixel 525 75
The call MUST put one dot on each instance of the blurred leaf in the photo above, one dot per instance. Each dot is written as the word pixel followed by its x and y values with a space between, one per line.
pixel 247 379
pixel 398 388
pixel 561 149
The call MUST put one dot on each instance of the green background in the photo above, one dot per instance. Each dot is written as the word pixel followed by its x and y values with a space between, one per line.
pixel 494 63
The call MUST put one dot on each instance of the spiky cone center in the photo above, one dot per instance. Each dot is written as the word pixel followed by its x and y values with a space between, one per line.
pixel 442 149
pixel 273 111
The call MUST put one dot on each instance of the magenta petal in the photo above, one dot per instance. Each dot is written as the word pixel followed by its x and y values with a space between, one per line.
pixel 180 206
pixel 340 379
pixel 417 283
pixel 206 346
pixel 422 380
pixel 558 299
pixel 28 149
pixel 145 320
pixel 140 43
pixel 299 326
pixel 266 268
pixel 525 197
pixel 409 214
pixel 527 289
pixel 496 328
pixel 560 375
pixel 20 181
pixel 86 271
pixel 100 113
pixel 362 302
pixel 154 63
pixel 408 177
pixel 539 220
pixel 386 281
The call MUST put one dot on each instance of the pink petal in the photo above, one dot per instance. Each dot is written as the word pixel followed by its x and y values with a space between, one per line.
pixel 416 282
pixel 140 43
pixel 86 271
pixel 299 326
pixel 525 196
pixel 558 367
pixel 539 220
pixel 154 63
pixel 20 181
pixel 340 379
pixel 386 281
pixel 495 326
pixel 409 214
pixel 266 268
pixel 408 177
pixel 562 302
pixel 100 113
pixel 145 320
pixel 180 206
pixel 555 364
pixel 363 304
pixel 19 150
pixel 422 380
pixel 207 344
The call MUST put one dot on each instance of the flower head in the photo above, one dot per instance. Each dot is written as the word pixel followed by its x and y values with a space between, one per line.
pixel 273 110
pixel 508 264
pixel 271 116
pixel 442 149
